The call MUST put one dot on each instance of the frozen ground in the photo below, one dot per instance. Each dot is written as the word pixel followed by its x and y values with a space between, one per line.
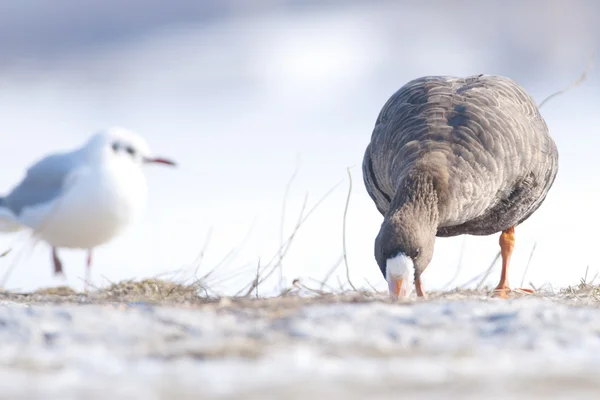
pixel 344 347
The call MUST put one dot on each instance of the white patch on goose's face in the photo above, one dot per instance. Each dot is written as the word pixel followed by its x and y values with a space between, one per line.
pixel 400 275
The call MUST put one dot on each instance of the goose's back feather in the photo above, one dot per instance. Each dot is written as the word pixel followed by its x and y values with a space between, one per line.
pixel 481 138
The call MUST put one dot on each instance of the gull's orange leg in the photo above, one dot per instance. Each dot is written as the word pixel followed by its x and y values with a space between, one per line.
pixel 507 244
pixel 419 287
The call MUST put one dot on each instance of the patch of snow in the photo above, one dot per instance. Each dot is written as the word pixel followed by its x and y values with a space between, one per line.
pixel 521 348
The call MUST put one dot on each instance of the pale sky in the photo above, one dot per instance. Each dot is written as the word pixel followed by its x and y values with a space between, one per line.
pixel 237 96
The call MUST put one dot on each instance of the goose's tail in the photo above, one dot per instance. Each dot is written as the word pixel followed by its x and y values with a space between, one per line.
pixel 8 220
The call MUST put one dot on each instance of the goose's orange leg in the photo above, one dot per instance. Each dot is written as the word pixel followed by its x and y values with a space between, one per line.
pixel 507 244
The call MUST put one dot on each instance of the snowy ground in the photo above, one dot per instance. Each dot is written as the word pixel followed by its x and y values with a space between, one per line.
pixel 342 347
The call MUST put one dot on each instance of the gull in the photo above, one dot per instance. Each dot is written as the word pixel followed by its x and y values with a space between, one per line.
pixel 81 199
pixel 451 156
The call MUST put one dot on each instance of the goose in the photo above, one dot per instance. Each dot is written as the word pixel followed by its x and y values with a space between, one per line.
pixel 452 156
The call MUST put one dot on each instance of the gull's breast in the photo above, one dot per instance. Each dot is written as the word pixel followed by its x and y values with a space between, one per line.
pixel 96 206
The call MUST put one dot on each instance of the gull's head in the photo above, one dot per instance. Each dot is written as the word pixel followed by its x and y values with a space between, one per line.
pixel 118 143
pixel 400 275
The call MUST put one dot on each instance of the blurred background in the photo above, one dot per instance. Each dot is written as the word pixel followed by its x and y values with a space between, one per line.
pixel 243 94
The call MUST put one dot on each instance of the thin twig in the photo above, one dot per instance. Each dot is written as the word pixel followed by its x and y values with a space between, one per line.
pixel 322 285
pixel 98 288
pixel 255 282
pixel 200 257
pixel 110 282
pixel 233 274
pixel 282 223
pixel 257 275
pixel 459 265
pixel 316 291
pixel 582 78
pixel 218 265
pixel 485 274
pixel 330 272
pixel 287 244
pixel 372 287
pixel 344 230
pixel 271 266
pixel 528 262
pixel 594 278
pixel 298 284
pixel 33 243
pixel 7 252
pixel 282 251
pixel 489 270
pixel 232 254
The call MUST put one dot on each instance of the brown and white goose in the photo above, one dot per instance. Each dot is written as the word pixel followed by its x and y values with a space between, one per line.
pixel 451 156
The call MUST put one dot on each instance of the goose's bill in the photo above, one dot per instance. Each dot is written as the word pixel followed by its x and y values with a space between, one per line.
pixel 400 291
pixel 159 160
pixel 398 288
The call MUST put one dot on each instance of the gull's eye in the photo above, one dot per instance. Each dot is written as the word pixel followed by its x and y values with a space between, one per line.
pixel 115 146
pixel 130 150
pixel 417 253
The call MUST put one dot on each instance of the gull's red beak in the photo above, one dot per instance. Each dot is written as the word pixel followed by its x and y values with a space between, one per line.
pixel 159 160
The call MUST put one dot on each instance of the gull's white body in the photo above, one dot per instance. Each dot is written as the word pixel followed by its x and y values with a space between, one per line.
pixel 402 268
pixel 99 201
pixel 98 197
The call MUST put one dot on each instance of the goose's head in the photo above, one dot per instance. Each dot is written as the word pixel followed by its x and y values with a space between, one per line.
pixel 403 250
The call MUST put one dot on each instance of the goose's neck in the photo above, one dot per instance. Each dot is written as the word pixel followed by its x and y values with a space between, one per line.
pixel 416 202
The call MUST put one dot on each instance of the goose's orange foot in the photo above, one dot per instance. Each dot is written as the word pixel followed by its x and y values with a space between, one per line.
pixel 502 291
pixel 524 290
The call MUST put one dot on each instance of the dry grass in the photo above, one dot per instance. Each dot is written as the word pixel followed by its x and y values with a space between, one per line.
pixel 155 291
pixel 585 291
pixel 170 293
